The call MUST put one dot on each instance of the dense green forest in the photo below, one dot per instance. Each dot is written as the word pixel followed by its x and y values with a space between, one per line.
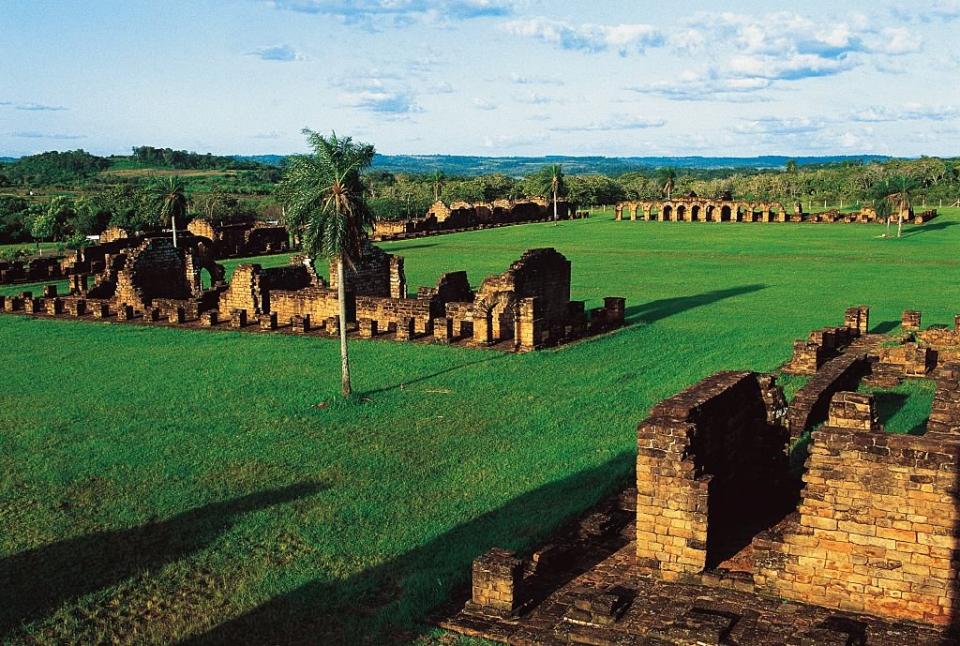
pixel 69 195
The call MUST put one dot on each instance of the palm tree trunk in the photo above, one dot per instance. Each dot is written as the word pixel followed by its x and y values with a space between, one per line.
pixel 173 227
pixel 556 217
pixel 344 359
pixel 899 223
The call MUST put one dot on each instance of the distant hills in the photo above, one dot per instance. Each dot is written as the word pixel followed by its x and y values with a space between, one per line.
pixel 520 166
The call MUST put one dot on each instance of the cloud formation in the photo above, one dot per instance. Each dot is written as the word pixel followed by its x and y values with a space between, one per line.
pixel 280 53
pixel 398 13
pixel 32 134
pixel 616 122
pixel 625 38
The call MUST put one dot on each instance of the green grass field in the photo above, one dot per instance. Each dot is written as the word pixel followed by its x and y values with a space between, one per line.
pixel 163 484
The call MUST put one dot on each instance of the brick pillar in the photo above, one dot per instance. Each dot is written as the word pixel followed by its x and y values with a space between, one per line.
pixel 153 314
pixel 443 329
pixel 177 315
pixel 300 324
pixel 854 411
pixel 125 312
pixel 615 307
pixel 398 280
pixel 33 305
pixel 910 320
pixel 956 323
pixel 268 321
pixel 368 328
pixel 405 328
pixel 209 318
pixel 54 305
pixel 238 318
pixel 851 319
pixel 497 575
pixel 101 310
pixel 49 291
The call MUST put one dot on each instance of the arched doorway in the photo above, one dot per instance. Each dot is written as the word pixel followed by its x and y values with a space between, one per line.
pixel 695 213
pixel 667 213
pixel 725 212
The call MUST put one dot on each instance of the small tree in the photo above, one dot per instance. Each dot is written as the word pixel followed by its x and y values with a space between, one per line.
pixel 325 191
pixel 169 201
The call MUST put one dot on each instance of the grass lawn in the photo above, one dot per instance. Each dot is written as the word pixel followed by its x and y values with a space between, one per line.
pixel 164 484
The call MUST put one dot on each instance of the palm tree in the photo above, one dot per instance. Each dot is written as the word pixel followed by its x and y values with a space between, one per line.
pixel 438 179
pixel 668 180
pixel 902 197
pixel 169 201
pixel 325 190
pixel 552 182
pixel 883 208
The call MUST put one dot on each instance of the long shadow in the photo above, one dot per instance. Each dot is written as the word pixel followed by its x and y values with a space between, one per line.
pixel 665 307
pixel 889 404
pixel 384 604
pixel 924 228
pixel 37 581
pixel 884 327
pixel 407 247
pixel 497 356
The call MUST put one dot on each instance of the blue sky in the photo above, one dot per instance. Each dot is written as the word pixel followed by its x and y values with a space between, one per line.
pixel 484 77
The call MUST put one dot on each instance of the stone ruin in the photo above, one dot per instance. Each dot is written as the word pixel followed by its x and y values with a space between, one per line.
pixel 228 241
pixel 757 522
pixel 242 239
pixel 697 209
pixel 526 308
pixel 463 216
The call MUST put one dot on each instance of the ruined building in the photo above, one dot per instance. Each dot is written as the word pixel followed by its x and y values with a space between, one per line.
pixel 461 216
pixel 525 308
pixel 758 522
pixel 242 239
pixel 696 209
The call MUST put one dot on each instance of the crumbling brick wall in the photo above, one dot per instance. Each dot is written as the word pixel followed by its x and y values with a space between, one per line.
pixel 811 403
pixel 945 409
pixel 429 304
pixel 247 291
pixel 543 274
pixel 716 447
pixel 876 526
pixel 319 303
pixel 377 273
pixel 155 269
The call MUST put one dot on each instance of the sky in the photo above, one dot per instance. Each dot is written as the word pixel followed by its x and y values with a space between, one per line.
pixel 483 77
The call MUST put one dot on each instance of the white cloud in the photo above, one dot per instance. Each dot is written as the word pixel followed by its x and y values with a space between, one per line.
pixel 279 53
pixel 909 112
pixel 484 104
pixel 499 142
pixel 779 126
pixel 615 122
pixel 522 79
pixel 33 134
pixel 398 13
pixel 624 38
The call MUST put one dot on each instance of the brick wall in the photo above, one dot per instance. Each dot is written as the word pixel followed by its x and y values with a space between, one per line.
pixel 155 269
pixel 875 529
pixel 319 303
pixel 377 273
pixel 246 291
pixel 811 403
pixel 715 448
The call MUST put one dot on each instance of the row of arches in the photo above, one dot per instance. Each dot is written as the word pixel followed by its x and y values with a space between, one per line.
pixel 688 210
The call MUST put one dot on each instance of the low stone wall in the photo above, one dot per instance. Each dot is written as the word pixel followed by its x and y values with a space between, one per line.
pixel 876 527
pixel 810 405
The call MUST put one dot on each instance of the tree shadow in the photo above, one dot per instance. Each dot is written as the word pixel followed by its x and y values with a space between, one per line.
pixel 37 581
pixel 383 604
pixel 884 327
pixel 665 307
pixel 416 380
pixel 924 228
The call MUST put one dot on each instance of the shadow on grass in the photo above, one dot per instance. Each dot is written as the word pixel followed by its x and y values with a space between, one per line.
pixel 496 356
pixel 924 228
pixel 38 581
pixel 889 404
pixel 884 327
pixel 665 307
pixel 407 247
pixel 387 603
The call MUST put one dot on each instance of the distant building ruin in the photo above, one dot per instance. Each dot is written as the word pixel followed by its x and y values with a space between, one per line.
pixel 697 209
pixel 526 308
pixel 462 216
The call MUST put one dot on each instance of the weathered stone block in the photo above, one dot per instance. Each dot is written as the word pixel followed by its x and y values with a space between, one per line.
pixel 368 328
pixel 443 329
pixel 910 320
pixel 125 312
pixel 238 318
pixel 177 315
pixel 268 321
pixel 101 310
pixel 497 576
pixel 209 318
pixel 49 291
pixel 54 305
pixel 405 329
pixel 300 324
